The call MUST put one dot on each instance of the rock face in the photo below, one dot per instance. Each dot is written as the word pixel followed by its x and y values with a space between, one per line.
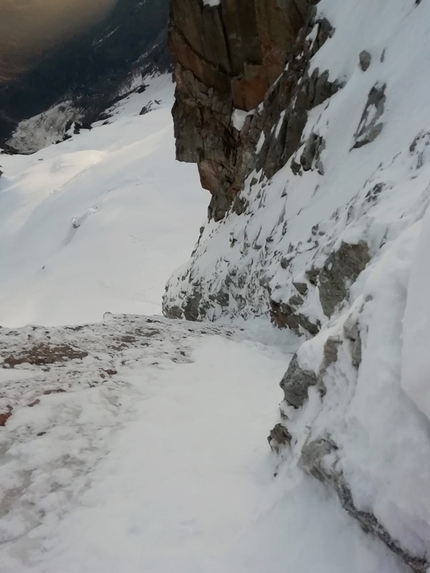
pixel 296 383
pixel 227 57
pixel 318 187
pixel 340 269
pixel 365 60
pixel 369 128
pixel 323 453
pixel 228 143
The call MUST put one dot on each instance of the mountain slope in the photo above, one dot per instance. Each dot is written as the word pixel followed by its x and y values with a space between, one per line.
pixel 139 443
pixel 317 234
pixel 97 222
pixel 92 69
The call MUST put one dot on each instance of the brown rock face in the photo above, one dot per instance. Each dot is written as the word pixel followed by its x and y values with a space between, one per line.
pixel 227 57
pixel 270 136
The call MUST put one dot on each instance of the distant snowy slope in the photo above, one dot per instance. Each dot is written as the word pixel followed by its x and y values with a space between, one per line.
pixel 97 223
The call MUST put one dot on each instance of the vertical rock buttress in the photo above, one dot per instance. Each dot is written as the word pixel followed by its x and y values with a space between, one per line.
pixel 226 56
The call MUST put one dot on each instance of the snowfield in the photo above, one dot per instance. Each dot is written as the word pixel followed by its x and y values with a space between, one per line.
pixel 415 356
pixel 98 222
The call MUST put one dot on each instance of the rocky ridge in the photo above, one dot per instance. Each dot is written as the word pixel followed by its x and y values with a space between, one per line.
pixel 318 192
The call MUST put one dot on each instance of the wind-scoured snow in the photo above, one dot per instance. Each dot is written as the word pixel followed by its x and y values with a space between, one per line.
pixel 149 454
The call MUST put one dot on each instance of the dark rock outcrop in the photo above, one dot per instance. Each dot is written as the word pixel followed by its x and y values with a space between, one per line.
pixel 287 315
pixel 365 60
pixel 370 127
pixel 342 267
pixel 311 156
pixel 278 437
pixel 339 271
pixel 296 383
pixel 227 57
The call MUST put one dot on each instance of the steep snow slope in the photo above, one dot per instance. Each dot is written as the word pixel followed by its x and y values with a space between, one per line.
pixel 415 356
pixel 326 246
pixel 98 222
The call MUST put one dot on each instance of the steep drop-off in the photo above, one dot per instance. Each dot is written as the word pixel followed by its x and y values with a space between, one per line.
pixel 225 62
pixel 87 73
pixel 315 148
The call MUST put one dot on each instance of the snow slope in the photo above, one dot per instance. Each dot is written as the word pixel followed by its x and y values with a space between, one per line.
pixel 416 336
pixel 98 222
pixel 149 454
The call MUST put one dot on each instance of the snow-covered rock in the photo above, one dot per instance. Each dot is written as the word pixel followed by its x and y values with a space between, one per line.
pixel 129 445
pixel 44 129
pixel 321 238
